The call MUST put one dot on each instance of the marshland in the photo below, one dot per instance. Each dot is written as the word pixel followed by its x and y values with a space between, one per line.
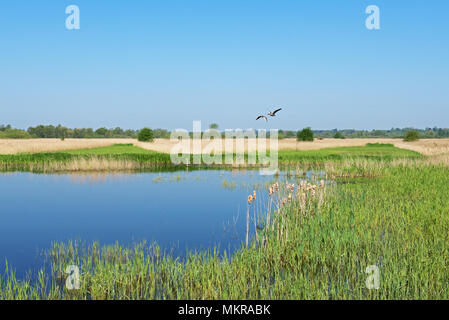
pixel 349 98
pixel 139 228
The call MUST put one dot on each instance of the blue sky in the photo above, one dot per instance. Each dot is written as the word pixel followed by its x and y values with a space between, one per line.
pixel 166 63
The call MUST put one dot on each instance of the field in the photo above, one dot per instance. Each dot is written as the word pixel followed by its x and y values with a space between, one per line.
pixel 15 146
pixel 388 209
pixel 54 155
pixel 119 157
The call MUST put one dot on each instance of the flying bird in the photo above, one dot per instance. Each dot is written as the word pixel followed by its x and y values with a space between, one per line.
pixel 262 117
pixel 272 114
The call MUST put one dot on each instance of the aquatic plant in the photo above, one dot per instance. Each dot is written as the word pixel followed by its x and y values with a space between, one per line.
pixel 316 242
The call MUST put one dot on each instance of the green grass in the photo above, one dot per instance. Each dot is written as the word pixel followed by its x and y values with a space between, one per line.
pixel 115 149
pixel 120 156
pixel 318 249
pixel 374 151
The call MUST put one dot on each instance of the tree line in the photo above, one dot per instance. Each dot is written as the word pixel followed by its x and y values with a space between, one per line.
pixel 62 132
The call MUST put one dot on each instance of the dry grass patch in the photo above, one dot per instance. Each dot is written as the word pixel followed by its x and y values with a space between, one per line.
pixel 15 146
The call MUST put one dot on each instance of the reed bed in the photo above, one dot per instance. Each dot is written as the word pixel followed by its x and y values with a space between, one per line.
pixel 126 157
pixel 312 241
pixel 65 162
pixel 16 146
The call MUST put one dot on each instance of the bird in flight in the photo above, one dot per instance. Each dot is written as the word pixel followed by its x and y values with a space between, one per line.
pixel 262 117
pixel 272 114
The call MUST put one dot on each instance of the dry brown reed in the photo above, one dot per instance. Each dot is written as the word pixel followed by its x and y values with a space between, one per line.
pixel 14 146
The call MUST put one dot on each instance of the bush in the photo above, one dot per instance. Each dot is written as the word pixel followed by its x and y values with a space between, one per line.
pixel 101 131
pixel 411 135
pixel 305 134
pixel 145 135
pixel 339 135
pixel 14 134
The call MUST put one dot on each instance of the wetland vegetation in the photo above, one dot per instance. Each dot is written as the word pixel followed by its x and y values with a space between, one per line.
pixel 312 241
pixel 130 157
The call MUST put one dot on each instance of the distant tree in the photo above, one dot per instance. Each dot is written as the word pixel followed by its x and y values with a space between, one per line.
pixel 411 135
pixel 161 134
pixel 101 131
pixel 61 132
pixel 14 134
pixel 145 135
pixel 4 128
pixel 305 134
pixel 118 132
pixel 338 135
pixel 213 126
pixel 289 134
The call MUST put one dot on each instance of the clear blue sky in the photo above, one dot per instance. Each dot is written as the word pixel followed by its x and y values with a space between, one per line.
pixel 165 63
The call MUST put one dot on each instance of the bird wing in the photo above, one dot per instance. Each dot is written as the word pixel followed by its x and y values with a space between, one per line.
pixel 274 112
pixel 261 117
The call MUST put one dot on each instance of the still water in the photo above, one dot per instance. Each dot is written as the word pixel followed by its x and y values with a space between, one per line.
pixel 179 210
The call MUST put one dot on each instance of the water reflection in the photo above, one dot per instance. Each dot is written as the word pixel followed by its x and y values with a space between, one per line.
pixel 179 210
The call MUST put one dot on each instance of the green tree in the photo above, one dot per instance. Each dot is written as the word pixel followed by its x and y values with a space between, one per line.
pixel 338 135
pixel 145 135
pixel 213 126
pixel 305 134
pixel 411 135
pixel 101 131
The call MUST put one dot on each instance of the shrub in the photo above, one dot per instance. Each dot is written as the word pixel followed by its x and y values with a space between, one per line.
pixel 305 134
pixel 411 135
pixel 145 135
pixel 101 131
pixel 339 135
pixel 14 134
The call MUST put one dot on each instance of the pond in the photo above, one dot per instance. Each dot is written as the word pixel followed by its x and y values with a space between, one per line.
pixel 179 210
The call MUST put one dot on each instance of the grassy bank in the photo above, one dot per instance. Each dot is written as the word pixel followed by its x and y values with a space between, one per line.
pixel 128 157
pixel 111 158
pixel 315 246
pixel 373 151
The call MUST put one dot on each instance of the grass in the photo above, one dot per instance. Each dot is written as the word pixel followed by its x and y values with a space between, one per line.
pixel 16 146
pixel 118 157
pixel 116 149
pixel 129 157
pixel 374 151
pixel 316 246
